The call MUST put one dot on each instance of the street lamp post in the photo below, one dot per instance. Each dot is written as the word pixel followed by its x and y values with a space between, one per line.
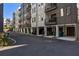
pixel 1 17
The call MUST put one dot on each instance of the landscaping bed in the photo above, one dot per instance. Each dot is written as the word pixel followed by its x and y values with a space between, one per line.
pixel 5 40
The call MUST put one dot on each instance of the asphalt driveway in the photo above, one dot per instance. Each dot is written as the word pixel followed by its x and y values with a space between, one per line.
pixel 40 46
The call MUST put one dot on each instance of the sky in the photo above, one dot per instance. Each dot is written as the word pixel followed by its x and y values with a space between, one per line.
pixel 9 8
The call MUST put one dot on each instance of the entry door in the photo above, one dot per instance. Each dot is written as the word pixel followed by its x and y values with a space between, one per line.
pixel 70 31
pixel 61 31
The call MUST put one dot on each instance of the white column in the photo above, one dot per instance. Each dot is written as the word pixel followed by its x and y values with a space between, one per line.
pixel 57 31
pixel 24 30
pixel 21 29
pixel 76 32
pixel 37 31
pixel 45 31
pixel 31 30
pixel 27 31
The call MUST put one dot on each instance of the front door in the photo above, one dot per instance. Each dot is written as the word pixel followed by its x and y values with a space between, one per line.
pixel 61 33
pixel 70 31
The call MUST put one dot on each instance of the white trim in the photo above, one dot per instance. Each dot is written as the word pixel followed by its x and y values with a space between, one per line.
pixel 67 38
pixel 62 12
pixel 60 25
pixel 66 24
pixel 57 31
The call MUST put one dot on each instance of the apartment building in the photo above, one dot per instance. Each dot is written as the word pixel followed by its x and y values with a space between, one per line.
pixel 33 18
pixel 25 18
pixel 17 18
pixel 62 20
pixel 38 18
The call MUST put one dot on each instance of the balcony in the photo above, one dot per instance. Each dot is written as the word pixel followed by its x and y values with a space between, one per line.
pixel 28 16
pixel 27 23
pixel 51 21
pixel 50 7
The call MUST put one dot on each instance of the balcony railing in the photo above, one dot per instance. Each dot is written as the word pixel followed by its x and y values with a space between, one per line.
pixel 51 21
pixel 50 6
pixel 28 16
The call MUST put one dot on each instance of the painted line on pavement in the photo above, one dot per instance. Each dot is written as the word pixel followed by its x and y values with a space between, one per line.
pixel 11 47
pixel 13 40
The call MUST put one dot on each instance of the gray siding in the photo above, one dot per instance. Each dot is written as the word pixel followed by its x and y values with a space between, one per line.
pixel 67 19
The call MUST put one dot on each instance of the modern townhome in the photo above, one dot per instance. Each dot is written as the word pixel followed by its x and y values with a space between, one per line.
pixel 38 18
pixel 62 20
pixel 25 18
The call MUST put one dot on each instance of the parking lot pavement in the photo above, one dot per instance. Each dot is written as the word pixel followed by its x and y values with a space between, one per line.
pixel 40 46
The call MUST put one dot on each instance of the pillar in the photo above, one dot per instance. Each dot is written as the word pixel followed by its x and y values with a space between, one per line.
pixel 27 31
pixel 37 31
pixel 76 32
pixel 31 30
pixel 65 30
pixel 21 29
pixel 45 31
pixel 57 31
pixel 24 30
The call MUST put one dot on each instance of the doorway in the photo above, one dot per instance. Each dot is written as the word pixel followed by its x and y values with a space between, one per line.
pixel 70 31
pixel 41 30
pixel 61 33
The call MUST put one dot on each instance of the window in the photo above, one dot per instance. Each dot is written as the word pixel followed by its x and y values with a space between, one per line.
pixel 53 18
pixel 68 11
pixel 39 18
pixel 61 11
pixel 33 4
pixel 54 4
pixel 34 19
pixel 42 19
pixel 41 3
pixel 34 10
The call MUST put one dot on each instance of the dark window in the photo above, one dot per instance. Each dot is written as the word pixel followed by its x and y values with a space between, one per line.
pixel 68 10
pixel 42 19
pixel 53 18
pixel 41 3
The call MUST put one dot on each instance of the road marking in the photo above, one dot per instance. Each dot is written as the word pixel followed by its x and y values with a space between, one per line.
pixel 11 47
pixel 13 40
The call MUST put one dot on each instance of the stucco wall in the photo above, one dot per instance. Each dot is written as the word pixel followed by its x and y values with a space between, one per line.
pixel 78 21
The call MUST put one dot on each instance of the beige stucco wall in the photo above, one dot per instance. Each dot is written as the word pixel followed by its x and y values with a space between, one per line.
pixel 41 14
pixel 16 20
pixel 33 24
